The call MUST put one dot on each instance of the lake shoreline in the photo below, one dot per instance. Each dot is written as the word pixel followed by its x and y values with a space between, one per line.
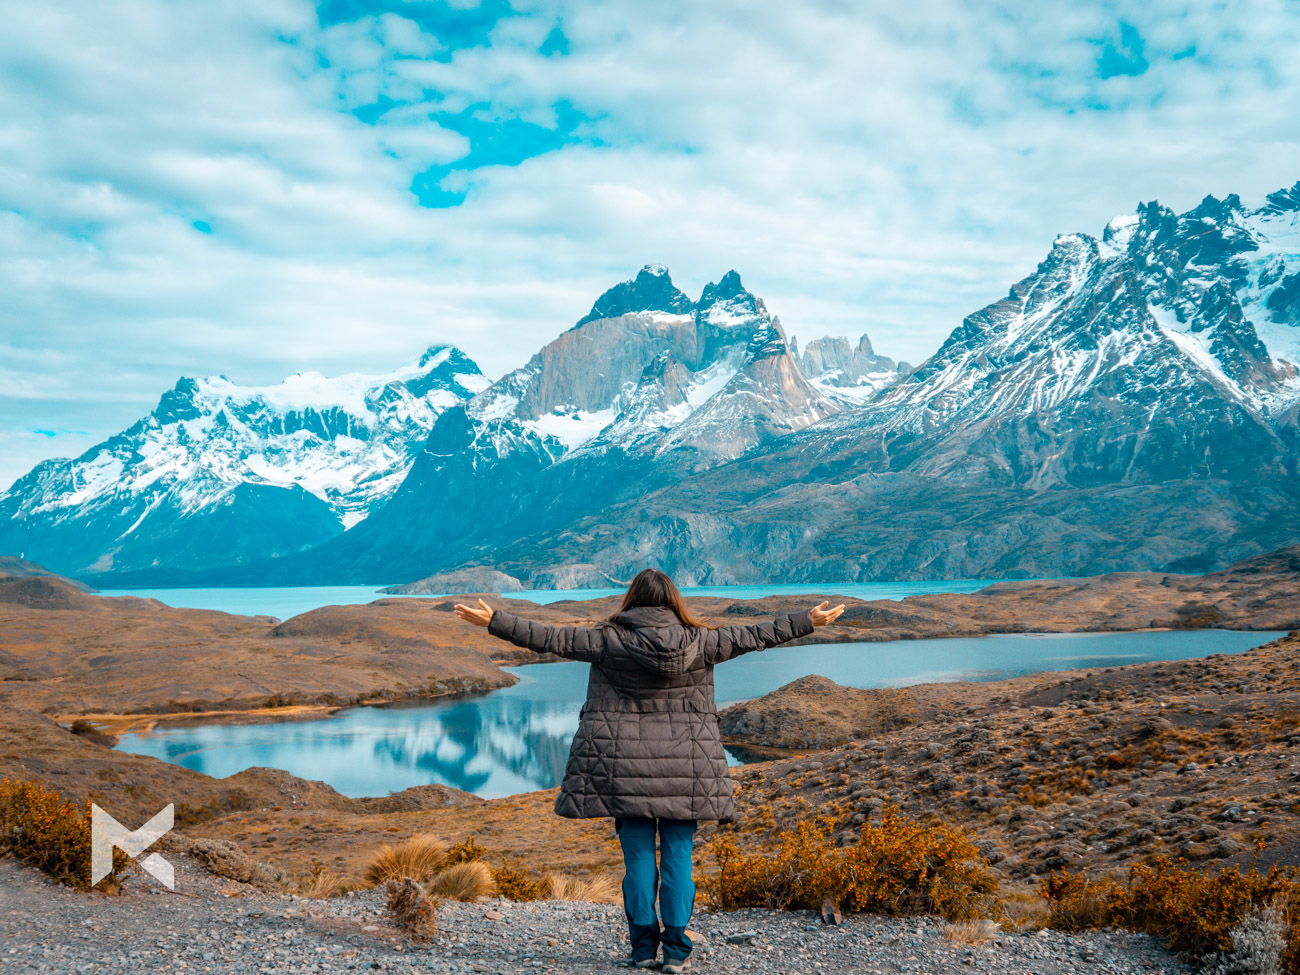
pixel 115 724
pixel 516 739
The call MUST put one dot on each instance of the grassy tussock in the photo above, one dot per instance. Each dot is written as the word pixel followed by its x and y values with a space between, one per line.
pixel 468 881
pixel 597 890
pixel 1200 912
pixel 323 883
pixel 419 858
pixel 972 932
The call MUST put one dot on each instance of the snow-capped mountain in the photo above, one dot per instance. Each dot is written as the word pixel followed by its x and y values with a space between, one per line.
pixel 665 363
pixel 232 472
pixel 648 387
pixel 848 375
pixel 1161 351
pixel 1130 404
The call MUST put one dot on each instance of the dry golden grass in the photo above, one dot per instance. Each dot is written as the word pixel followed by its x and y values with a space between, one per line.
pixel 419 858
pixel 467 881
pixel 597 890
pixel 323 883
pixel 1023 911
pixel 972 932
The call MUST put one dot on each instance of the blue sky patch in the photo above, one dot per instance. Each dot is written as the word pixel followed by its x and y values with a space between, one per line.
pixel 455 27
pixel 555 43
pixel 497 142
pixel 1127 56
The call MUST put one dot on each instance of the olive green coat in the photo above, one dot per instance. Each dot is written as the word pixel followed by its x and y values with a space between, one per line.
pixel 648 742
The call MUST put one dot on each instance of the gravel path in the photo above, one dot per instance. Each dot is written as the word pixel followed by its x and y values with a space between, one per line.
pixel 47 928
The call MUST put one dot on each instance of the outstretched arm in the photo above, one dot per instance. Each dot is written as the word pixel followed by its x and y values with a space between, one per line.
pixel 573 642
pixel 727 642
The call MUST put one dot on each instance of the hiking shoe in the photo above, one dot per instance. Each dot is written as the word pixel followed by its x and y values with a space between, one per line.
pixel 645 963
pixel 675 966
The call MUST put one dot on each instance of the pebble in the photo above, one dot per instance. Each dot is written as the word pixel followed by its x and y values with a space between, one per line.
pixel 47 929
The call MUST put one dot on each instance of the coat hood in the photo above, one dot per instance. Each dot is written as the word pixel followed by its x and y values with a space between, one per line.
pixel 658 641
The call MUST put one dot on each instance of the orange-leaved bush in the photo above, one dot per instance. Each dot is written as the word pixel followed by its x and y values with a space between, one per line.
pixel 40 826
pixel 1196 910
pixel 898 867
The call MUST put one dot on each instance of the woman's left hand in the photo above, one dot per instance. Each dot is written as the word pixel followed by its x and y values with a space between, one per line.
pixel 479 617
pixel 821 616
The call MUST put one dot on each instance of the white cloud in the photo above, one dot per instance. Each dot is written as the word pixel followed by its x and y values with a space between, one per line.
pixel 880 168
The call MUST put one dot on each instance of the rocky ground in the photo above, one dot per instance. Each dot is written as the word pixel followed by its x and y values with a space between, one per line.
pixel 1091 770
pixel 209 925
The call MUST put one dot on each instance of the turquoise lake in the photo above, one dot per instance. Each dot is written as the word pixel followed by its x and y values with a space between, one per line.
pixel 516 739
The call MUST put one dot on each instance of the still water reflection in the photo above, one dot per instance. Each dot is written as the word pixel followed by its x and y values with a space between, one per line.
pixel 516 739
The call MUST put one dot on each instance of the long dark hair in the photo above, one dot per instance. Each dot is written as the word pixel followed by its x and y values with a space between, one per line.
pixel 653 588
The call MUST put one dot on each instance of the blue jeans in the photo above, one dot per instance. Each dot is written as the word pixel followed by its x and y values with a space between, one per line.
pixel 670 879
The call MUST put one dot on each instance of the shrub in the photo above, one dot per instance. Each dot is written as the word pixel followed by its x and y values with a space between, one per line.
pixel 466 851
pixel 467 881
pixel 53 833
pixel 226 859
pixel 1258 942
pixel 322 883
pixel 597 890
pixel 516 883
pixel 411 909
pixel 419 858
pixel 898 867
pixel 1199 912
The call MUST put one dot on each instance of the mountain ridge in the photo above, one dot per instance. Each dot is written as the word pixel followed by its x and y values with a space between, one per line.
pixel 1141 379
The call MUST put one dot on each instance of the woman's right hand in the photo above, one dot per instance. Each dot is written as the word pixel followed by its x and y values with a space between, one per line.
pixel 821 616
pixel 479 617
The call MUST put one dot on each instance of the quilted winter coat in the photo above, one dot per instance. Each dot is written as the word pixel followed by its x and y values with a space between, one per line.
pixel 648 742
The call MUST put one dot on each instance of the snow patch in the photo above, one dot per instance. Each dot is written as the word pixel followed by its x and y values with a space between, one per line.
pixel 573 428
pixel 1194 347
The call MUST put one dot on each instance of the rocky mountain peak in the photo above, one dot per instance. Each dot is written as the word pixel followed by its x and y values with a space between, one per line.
pixel 1282 201
pixel 179 403
pixel 849 374
pixel 728 305
pixel 651 290
pixel 728 287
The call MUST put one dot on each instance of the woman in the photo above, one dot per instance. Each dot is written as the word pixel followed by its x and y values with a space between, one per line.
pixel 648 751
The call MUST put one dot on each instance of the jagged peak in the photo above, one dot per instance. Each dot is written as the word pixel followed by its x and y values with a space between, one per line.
pixel 1119 232
pixel 1215 209
pixel 651 290
pixel 727 303
pixel 1285 200
pixel 729 287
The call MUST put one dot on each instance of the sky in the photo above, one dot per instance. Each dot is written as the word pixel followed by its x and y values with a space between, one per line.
pixel 257 187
